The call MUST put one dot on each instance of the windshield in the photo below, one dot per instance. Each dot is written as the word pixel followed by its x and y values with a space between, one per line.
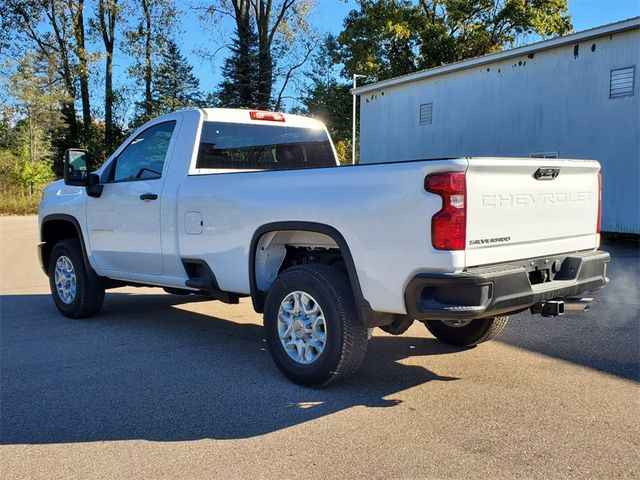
pixel 263 147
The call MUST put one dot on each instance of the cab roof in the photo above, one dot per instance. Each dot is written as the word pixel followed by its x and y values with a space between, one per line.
pixel 238 115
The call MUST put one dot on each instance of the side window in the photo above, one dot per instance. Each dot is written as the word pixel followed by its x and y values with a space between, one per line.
pixel 143 158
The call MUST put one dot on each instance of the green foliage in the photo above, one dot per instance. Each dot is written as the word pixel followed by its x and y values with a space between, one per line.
pixel 281 30
pixel 175 87
pixel 92 138
pixel 388 38
pixel 21 182
pixel 380 39
pixel 30 176
pixel 328 98
pixel 146 39
pixel 343 151
pixel 240 72
pixel 31 122
pixel 16 205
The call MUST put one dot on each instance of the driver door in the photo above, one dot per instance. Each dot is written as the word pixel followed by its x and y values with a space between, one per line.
pixel 124 222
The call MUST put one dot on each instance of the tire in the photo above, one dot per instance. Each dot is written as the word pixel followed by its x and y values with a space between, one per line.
pixel 468 334
pixel 399 325
pixel 326 293
pixel 88 296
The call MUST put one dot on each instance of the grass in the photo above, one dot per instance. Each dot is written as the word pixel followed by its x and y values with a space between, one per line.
pixel 10 205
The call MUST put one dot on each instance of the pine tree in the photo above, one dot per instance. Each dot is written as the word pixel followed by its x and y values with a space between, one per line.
pixel 176 86
pixel 239 89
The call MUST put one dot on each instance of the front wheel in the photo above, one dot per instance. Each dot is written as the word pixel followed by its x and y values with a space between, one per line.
pixel 312 327
pixel 466 333
pixel 77 292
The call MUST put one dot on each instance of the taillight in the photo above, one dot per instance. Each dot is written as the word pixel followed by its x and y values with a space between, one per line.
pixel 269 116
pixel 449 225
pixel 599 224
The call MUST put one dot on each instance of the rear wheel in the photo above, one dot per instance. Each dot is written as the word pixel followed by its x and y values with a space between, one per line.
pixel 466 332
pixel 311 325
pixel 399 325
pixel 77 293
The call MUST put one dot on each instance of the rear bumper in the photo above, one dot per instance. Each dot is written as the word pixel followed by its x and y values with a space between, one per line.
pixel 503 288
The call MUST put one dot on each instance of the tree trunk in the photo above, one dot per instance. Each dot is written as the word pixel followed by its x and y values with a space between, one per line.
pixel 148 72
pixel 243 27
pixel 109 139
pixel 68 108
pixel 83 66
pixel 108 12
pixel 265 63
pixel 264 10
pixel 265 76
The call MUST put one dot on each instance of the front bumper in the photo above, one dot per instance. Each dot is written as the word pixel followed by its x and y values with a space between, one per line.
pixel 504 288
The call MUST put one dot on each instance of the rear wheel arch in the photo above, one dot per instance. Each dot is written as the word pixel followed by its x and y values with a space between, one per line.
pixel 258 296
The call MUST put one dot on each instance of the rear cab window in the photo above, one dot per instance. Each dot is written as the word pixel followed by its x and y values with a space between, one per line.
pixel 241 146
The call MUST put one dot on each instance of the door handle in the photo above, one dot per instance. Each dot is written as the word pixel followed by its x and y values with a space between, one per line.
pixel 148 196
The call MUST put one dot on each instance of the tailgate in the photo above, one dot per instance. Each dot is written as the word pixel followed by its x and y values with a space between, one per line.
pixel 520 208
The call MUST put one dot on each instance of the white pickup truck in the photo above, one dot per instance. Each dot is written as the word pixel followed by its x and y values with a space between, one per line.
pixel 235 203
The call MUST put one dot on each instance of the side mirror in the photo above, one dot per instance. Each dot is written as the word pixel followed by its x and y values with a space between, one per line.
pixel 94 187
pixel 75 167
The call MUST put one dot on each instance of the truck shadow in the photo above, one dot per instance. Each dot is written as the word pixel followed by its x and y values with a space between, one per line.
pixel 147 369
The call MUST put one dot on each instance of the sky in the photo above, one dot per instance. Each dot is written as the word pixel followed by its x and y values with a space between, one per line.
pixel 328 16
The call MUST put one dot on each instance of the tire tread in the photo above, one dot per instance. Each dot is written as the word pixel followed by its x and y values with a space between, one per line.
pixel 476 332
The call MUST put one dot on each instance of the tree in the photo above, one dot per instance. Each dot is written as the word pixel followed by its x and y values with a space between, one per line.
pixel 35 109
pixel 56 30
pixel 146 40
pixel 287 72
pixel 239 86
pixel 175 86
pixel 388 38
pixel 328 98
pixel 47 26
pixel 268 21
pixel 276 24
pixel 109 13
pixel 76 11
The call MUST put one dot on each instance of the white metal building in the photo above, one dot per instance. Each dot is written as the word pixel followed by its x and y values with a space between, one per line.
pixel 575 96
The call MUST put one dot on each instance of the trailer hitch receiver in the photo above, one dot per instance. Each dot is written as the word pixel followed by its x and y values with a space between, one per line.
pixel 550 308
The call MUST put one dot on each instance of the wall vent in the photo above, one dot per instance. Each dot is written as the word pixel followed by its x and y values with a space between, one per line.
pixel 426 113
pixel 621 82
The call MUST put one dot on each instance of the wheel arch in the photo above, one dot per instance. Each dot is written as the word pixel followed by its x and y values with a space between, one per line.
pixel 55 227
pixel 366 314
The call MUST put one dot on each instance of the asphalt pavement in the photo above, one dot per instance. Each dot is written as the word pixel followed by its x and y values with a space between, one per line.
pixel 161 386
